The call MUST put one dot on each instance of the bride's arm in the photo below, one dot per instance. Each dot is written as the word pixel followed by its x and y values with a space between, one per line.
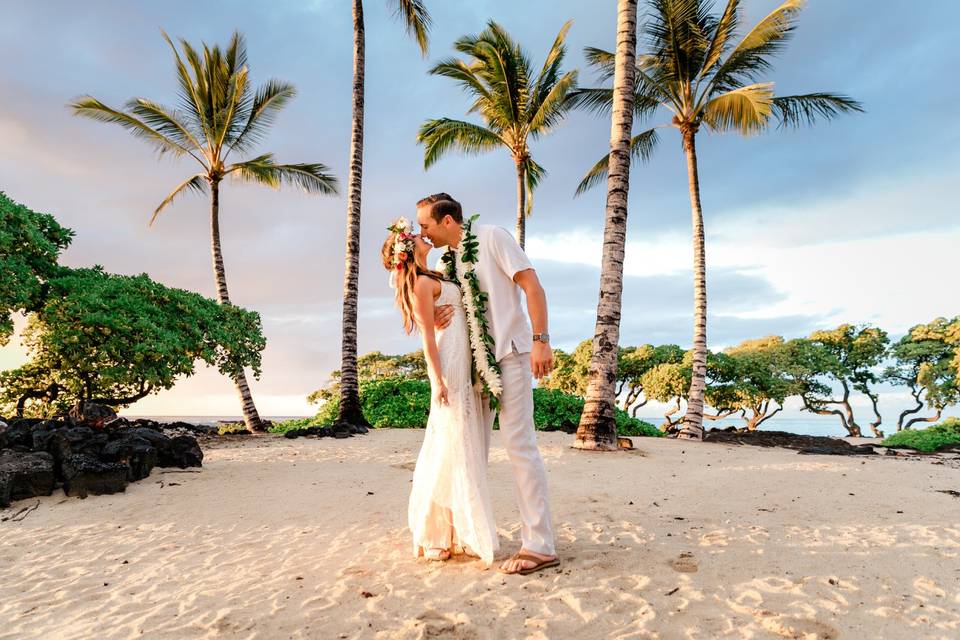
pixel 423 298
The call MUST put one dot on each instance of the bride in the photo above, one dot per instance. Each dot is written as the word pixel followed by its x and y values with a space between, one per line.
pixel 449 510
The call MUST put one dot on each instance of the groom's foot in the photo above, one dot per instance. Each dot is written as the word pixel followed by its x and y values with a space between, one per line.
pixel 524 562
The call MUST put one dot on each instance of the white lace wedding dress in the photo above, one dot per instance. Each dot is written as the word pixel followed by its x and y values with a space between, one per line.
pixel 450 502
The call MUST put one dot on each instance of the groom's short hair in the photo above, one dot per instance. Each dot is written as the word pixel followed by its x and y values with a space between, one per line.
pixel 442 204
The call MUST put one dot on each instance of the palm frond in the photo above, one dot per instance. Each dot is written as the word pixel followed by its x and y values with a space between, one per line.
pixel 267 103
pixel 751 57
pixel 236 53
pixel 234 101
pixel 600 101
pixel 534 174
pixel 417 21
pixel 463 73
pixel 441 135
pixel 745 109
pixel 311 177
pixel 794 111
pixel 642 147
pixel 553 105
pixel 202 90
pixel 603 61
pixel 197 183
pixel 90 107
pixel 165 121
pixel 725 29
pixel 676 38
pixel 551 71
pixel 189 92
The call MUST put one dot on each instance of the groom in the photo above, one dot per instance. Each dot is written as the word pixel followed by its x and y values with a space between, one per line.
pixel 503 270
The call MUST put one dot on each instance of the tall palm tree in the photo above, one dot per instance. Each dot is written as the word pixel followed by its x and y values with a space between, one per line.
pixel 415 17
pixel 597 429
pixel 218 113
pixel 515 106
pixel 695 70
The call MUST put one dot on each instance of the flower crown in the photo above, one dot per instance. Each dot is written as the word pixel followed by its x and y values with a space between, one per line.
pixel 403 248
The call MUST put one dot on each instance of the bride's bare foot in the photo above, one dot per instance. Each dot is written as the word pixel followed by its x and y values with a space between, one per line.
pixel 436 554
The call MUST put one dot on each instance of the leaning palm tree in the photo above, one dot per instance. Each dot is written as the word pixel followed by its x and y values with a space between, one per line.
pixel 350 418
pixel 695 70
pixel 514 105
pixel 218 113
pixel 598 429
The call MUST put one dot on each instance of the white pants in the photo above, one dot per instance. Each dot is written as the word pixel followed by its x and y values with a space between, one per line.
pixel 520 441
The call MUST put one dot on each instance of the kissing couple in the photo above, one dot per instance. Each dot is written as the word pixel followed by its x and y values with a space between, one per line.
pixel 481 358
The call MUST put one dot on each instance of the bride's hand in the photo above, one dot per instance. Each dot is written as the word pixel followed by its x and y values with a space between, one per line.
pixel 440 394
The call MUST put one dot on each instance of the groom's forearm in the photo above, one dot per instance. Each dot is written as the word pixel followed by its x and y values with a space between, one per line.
pixel 536 299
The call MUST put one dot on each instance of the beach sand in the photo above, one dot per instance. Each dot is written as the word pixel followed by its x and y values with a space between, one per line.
pixel 306 538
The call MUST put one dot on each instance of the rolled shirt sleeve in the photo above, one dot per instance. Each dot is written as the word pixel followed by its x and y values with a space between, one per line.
pixel 507 253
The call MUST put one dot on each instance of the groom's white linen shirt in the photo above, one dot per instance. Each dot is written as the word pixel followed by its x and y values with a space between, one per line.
pixel 499 259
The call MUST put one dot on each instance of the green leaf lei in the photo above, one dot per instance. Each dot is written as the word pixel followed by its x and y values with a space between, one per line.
pixel 469 250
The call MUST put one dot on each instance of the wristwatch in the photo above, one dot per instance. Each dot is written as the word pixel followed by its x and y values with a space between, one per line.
pixel 541 337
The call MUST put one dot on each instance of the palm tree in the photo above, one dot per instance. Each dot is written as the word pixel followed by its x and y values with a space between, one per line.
pixel 514 105
pixel 597 429
pixel 694 70
pixel 414 13
pixel 218 113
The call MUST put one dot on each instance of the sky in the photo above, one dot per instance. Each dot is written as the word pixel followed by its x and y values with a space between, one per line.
pixel 855 220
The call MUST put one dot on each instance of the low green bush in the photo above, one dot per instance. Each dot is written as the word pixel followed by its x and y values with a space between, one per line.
pixel 554 410
pixel 403 403
pixel 932 438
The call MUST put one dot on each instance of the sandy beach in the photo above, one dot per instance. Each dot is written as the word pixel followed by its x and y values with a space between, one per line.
pixel 306 538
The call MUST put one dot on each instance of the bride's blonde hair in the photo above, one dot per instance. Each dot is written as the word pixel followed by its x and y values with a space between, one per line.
pixel 404 269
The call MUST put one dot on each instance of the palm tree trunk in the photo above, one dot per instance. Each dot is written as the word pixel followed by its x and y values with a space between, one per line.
pixel 350 418
pixel 693 420
pixel 598 429
pixel 521 205
pixel 250 416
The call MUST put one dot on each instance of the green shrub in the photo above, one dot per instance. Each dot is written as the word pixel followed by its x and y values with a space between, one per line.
pixel 930 439
pixel 396 403
pixel 295 423
pixel 555 410
pixel 401 403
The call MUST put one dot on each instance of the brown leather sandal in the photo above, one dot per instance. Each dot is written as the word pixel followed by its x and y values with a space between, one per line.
pixel 538 563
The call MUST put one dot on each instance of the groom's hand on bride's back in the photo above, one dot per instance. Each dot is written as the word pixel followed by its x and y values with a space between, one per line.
pixel 441 315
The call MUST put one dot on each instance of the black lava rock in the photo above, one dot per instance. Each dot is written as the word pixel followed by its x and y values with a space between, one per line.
pixel 84 475
pixel 135 452
pixel 91 414
pixel 25 475
pixel 184 452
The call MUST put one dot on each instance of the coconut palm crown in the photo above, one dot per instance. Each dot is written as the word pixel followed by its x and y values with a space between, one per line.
pixel 515 103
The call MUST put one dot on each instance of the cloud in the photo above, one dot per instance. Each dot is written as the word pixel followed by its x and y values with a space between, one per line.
pixel 849 221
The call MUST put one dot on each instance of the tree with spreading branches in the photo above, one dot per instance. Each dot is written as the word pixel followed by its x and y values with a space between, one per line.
pixel 694 68
pixel 923 362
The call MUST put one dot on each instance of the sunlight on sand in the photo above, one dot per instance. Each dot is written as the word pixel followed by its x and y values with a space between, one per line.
pixel 306 538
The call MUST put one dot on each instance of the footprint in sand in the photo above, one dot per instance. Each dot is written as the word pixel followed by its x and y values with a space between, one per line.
pixel 684 563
